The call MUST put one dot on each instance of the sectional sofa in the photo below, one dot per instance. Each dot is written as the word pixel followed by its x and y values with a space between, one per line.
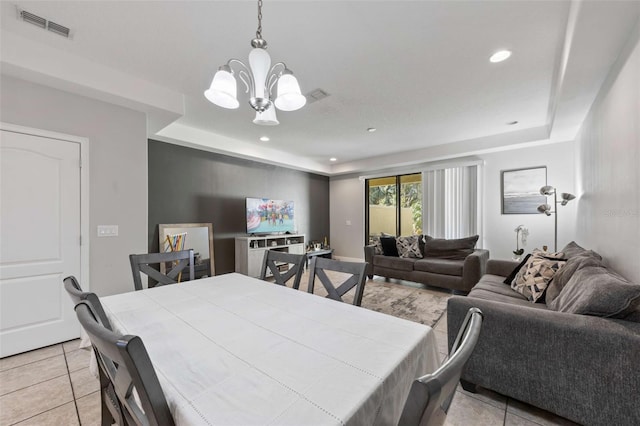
pixel 575 354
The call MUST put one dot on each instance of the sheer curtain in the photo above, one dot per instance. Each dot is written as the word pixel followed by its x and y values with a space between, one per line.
pixel 450 200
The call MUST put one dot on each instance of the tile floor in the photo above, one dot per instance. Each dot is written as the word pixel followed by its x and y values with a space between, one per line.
pixel 53 386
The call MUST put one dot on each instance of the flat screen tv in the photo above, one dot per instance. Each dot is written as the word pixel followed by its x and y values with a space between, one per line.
pixel 266 216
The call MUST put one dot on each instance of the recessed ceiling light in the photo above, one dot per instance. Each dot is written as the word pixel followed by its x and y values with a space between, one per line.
pixel 264 138
pixel 511 123
pixel 500 56
pixel 371 129
pixel 333 159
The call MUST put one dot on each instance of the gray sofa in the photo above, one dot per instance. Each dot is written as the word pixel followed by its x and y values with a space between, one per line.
pixel 456 274
pixel 581 367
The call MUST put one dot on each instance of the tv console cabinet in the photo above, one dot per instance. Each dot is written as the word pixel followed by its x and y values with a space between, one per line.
pixel 250 250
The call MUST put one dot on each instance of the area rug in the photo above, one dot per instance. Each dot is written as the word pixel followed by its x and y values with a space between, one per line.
pixel 401 299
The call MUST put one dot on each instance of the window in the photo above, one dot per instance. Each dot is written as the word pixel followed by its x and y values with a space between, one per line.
pixel 394 205
pixel 450 208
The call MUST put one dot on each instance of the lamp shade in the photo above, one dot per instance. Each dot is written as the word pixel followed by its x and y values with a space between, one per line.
pixel 260 62
pixel 267 117
pixel 566 197
pixel 289 96
pixel 547 190
pixel 545 208
pixel 223 90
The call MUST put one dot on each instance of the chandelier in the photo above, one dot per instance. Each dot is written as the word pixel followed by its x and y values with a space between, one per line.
pixel 259 78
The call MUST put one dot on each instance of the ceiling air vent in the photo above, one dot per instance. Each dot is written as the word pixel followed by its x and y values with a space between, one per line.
pixel 33 19
pixel 44 24
pixel 58 29
pixel 316 95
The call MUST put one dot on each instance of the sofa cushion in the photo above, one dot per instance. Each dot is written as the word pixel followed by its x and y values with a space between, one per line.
pixel 574 263
pixel 594 290
pixel 439 266
pixel 391 262
pixel 573 249
pixel 449 249
pixel 389 247
pixel 533 278
pixel 409 246
pixel 491 287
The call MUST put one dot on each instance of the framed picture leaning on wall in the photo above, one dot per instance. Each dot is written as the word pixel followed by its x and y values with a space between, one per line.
pixel 521 190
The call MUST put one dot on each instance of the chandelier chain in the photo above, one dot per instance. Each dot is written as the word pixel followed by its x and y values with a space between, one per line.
pixel 259 30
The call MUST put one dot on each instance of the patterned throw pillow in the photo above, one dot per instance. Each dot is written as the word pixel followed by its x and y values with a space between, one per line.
pixel 409 246
pixel 534 277
pixel 377 249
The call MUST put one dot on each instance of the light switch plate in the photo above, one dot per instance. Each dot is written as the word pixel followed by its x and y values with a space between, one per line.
pixel 107 230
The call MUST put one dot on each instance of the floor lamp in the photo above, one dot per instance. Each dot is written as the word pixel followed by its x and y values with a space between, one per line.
pixel 546 208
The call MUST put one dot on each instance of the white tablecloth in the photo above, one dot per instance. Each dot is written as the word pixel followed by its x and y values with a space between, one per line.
pixel 233 350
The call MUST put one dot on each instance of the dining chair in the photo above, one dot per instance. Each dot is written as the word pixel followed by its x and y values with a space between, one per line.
pixel 72 286
pixel 126 363
pixel 431 395
pixel 176 262
pixel 273 261
pixel 111 410
pixel 335 290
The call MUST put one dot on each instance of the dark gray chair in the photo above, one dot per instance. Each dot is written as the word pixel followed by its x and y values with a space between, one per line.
pixel 176 262
pixel 127 365
pixel 72 286
pixel 431 395
pixel 336 290
pixel 111 410
pixel 274 259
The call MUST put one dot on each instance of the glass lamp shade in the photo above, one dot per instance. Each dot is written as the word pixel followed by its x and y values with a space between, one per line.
pixel 266 118
pixel 223 90
pixel 260 63
pixel 289 96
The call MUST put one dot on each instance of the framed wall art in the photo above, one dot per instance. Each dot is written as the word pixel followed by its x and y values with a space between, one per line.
pixel 521 190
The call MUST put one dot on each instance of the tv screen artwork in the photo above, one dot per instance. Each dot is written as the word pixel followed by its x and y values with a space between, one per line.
pixel 265 216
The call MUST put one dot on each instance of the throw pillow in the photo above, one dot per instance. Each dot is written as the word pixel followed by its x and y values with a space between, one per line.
pixel 409 246
pixel 377 249
pixel 532 279
pixel 389 247
pixel 594 290
pixel 562 277
pixel 456 249
pixel 515 271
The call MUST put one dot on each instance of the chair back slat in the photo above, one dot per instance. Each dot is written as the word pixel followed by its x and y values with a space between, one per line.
pixel 356 278
pixel 271 261
pixel 431 395
pixel 132 369
pixel 178 262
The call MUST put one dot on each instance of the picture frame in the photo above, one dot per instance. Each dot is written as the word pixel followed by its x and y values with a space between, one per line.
pixel 184 236
pixel 520 190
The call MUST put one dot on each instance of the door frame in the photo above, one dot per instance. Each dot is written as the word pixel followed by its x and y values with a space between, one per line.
pixel 84 190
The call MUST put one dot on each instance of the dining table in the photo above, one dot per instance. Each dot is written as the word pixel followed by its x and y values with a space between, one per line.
pixel 235 350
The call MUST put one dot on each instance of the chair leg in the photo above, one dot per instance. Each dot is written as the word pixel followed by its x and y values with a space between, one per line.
pixel 107 418
pixel 468 386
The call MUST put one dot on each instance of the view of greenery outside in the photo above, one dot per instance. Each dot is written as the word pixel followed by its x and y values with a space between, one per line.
pixel 383 202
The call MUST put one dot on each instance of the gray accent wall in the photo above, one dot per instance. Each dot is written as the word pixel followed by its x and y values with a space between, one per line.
pixel 188 185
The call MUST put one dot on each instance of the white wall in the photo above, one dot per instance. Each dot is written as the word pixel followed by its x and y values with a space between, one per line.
pixel 118 169
pixel 498 229
pixel 347 203
pixel 608 164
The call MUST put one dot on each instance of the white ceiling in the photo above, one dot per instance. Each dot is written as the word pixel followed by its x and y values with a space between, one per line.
pixel 418 71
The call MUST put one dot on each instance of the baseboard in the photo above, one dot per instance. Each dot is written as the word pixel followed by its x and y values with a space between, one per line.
pixel 348 259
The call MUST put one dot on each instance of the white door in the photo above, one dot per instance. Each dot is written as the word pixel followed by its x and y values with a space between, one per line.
pixel 39 240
